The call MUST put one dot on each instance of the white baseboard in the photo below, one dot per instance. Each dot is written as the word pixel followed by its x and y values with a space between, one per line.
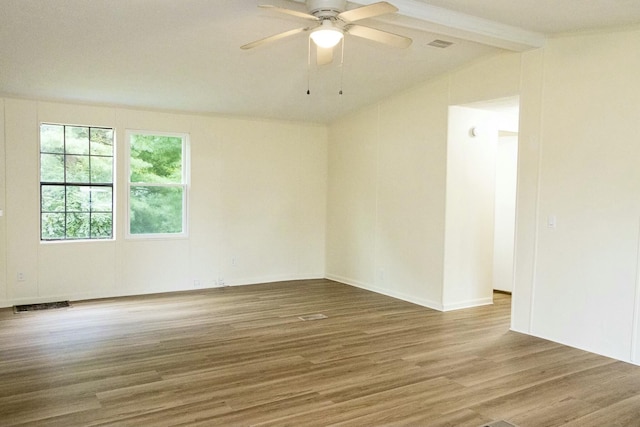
pixel 468 304
pixel 146 291
pixel 388 292
pixel 573 345
pixel 272 279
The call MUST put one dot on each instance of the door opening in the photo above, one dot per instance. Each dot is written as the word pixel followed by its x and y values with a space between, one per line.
pixel 480 202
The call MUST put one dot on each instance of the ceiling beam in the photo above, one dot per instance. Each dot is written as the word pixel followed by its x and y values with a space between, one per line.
pixel 455 24
pixel 425 17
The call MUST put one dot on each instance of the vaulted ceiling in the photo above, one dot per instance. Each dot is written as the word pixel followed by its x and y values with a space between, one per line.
pixel 185 55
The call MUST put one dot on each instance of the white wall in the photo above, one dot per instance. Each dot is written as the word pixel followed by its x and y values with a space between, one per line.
pixel 505 212
pixel 380 235
pixel 257 204
pixel 527 197
pixel 3 222
pixel 387 182
pixel 578 283
pixel 578 156
pixel 470 206
pixel 351 200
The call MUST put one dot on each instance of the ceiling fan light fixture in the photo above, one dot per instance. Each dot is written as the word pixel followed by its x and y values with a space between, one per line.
pixel 326 35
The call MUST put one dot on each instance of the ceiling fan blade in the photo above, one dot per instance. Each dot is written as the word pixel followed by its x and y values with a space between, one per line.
pixel 273 38
pixel 379 36
pixel 370 11
pixel 324 55
pixel 289 12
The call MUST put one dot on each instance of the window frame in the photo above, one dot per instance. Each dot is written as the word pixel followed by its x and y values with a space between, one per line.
pixel 186 172
pixel 64 183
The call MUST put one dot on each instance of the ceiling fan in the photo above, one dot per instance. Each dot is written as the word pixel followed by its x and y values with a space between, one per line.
pixel 332 21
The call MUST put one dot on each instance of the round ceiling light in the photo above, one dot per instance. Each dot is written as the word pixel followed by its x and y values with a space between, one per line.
pixel 326 35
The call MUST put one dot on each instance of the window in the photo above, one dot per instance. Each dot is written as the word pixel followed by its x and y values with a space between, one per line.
pixel 76 182
pixel 157 184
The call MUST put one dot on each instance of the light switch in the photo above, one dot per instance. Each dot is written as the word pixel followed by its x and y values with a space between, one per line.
pixel 551 221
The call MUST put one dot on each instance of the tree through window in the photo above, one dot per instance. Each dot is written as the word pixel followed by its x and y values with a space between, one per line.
pixel 157 184
pixel 76 182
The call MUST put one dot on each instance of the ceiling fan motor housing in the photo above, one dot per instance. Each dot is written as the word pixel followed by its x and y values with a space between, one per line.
pixel 326 9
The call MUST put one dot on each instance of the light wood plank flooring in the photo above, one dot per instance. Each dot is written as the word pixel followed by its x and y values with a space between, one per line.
pixel 241 356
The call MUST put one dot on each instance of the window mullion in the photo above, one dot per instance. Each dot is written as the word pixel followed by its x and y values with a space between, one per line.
pixel 64 166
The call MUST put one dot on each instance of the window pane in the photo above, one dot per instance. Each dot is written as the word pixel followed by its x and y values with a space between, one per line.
pixel 78 225
pixel 52 139
pixel 155 210
pixel 101 170
pixel 156 159
pixel 101 142
pixel 101 226
pixel 53 198
pixel 51 167
pixel 77 168
pixel 78 199
pixel 101 199
pixel 71 158
pixel 53 226
pixel 77 140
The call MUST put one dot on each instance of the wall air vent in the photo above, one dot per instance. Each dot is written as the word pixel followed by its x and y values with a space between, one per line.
pixel 441 44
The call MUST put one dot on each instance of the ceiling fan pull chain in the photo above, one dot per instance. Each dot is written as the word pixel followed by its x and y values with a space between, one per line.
pixel 341 68
pixel 309 66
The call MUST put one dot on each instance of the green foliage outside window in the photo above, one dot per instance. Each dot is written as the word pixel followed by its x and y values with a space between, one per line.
pixel 156 184
pixel 76 182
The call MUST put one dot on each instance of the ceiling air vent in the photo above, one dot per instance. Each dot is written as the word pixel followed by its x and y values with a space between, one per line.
pixel 440 44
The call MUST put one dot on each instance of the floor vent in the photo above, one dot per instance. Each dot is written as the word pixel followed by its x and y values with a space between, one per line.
pixel 313 317
pixel 499 424
pixel 42 306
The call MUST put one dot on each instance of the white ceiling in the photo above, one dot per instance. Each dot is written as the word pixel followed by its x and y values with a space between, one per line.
pixel 550 16
pixel 184 55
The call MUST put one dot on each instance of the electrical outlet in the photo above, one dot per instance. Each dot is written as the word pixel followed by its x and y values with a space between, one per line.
pixel 21 277
pixel 221 281
pixel 196 284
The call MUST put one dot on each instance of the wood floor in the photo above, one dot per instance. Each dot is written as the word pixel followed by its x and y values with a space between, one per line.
pixel 241 356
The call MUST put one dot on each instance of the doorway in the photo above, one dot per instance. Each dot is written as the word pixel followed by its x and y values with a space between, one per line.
pixel 480 202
